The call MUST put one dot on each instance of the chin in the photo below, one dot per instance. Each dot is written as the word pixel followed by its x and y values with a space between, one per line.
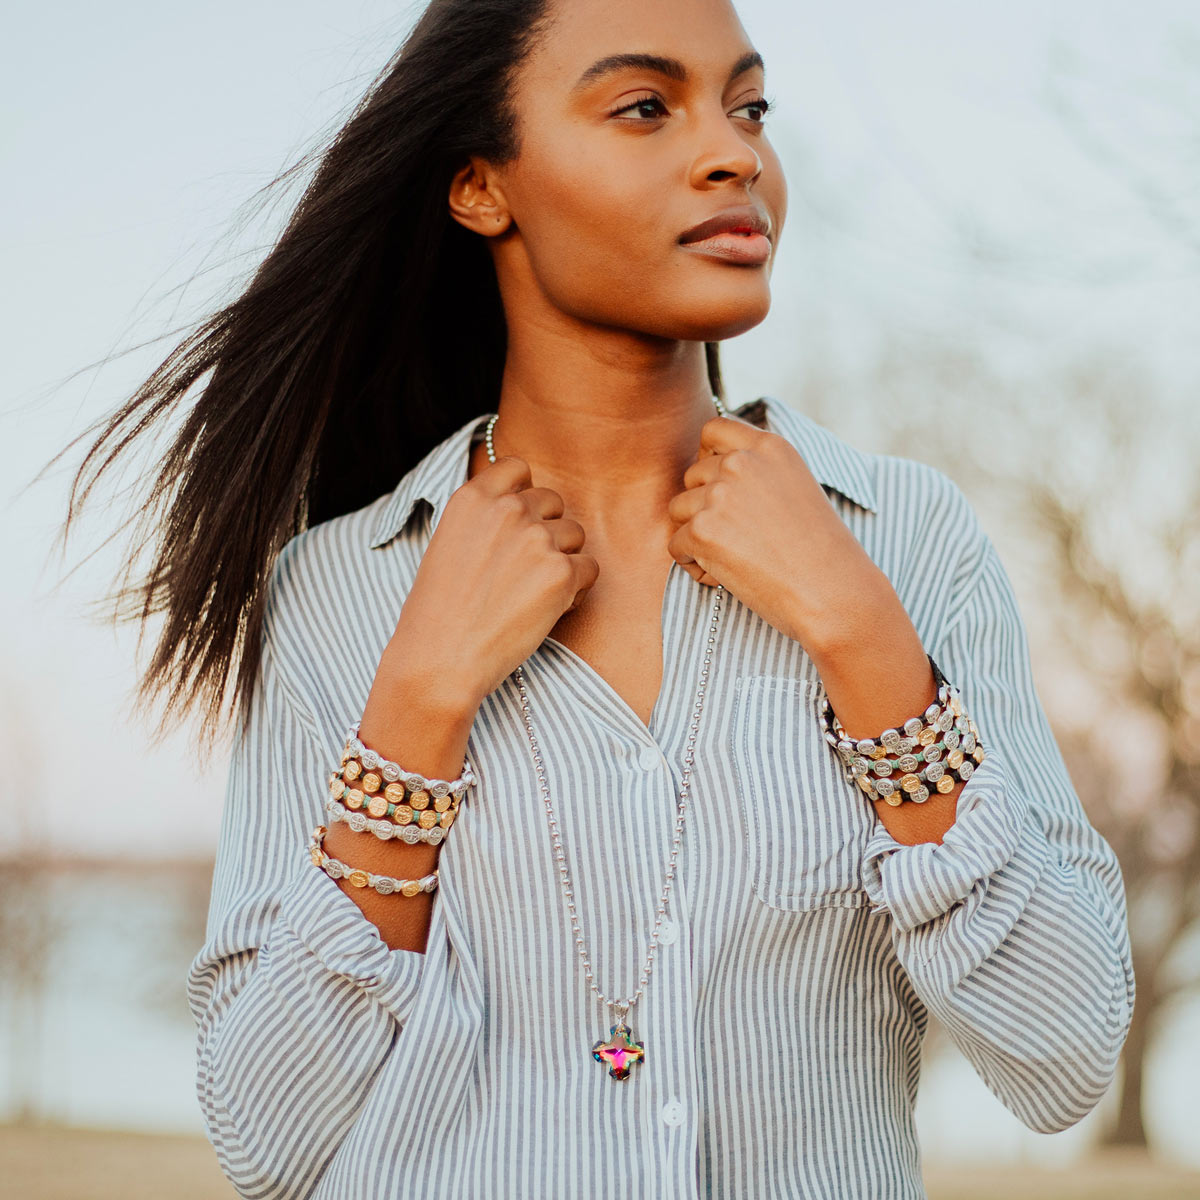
pixel 723 316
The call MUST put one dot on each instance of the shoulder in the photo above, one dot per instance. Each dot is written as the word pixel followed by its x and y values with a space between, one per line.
pixel 319 566
pixel 330 609
pixel 901 494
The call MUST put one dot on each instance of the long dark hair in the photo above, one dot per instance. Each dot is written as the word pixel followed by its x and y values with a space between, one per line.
pixel 347 336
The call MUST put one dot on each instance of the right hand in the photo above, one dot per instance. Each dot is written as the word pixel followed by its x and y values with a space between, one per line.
pixel 502 567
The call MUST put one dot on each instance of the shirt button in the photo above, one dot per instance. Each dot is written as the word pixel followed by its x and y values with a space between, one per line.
pixel 649 757
pixel 672 1113
pixel 668 933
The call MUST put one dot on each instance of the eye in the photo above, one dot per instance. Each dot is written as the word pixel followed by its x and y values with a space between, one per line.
pixel 641 103
pixel 763 106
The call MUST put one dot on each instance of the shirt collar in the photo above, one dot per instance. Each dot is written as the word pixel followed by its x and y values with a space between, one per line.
pixel 834 463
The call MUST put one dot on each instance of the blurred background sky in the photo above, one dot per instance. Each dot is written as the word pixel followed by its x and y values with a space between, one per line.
pixel 992 248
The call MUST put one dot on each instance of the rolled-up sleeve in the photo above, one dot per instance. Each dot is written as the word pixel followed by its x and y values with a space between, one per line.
pixel 296 998
pixel 1013 930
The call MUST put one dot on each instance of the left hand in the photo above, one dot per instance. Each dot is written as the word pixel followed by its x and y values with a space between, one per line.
pixel 753 518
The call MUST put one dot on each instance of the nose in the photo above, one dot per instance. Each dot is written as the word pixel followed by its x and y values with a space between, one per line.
pixel 726 154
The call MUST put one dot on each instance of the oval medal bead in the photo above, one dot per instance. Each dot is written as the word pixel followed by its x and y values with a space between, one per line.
pixel 371 782
pixel 966 770
pixel 913 726
pixel 885 787
pixel 934 772
pixel 906 763
pixel 910 783
pixel 920 795
pixel 891 739
pixel 927 736
pixel 954 759
pixel 442 803
pixel 394 792
pixel 403 815
pixel 895 799
pixel 428 819
pixel 354 798
pixel 385 886
pixel 378 806
pixel 883 767
pixel 358 879
pixel 448 819
pixel 945 784
pixel 865 746
pixel 411 887
pixel 419 799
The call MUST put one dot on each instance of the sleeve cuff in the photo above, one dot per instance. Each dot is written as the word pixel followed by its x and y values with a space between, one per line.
pixel 918 883
pixel 334 929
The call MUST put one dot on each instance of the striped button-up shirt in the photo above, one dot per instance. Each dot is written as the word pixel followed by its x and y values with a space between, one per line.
pixel 803 947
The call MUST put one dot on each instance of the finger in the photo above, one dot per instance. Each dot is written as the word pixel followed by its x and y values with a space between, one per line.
pixel 568 534
pixel 507 474
pixel 683 506
pixel 722 434
pixel 587 571
pixel 677 548
pixel 543 502
pixel 703 470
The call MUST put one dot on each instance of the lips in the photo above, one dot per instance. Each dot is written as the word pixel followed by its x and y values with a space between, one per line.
pixel 743 221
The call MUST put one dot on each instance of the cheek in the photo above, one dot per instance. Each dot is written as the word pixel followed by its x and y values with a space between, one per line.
pixel 588 223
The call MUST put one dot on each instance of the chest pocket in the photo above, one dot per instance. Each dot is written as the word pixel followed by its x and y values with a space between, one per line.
pixel 806 826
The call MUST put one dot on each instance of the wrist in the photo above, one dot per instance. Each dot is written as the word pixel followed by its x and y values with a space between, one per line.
pixel 409 678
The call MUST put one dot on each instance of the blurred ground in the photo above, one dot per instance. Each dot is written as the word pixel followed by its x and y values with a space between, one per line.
pixel 49 1163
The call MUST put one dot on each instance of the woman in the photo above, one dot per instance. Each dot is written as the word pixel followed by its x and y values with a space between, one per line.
pixel 640 928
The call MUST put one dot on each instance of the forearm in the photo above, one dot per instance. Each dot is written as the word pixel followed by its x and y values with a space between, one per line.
pixel 408 720
pixel 876 674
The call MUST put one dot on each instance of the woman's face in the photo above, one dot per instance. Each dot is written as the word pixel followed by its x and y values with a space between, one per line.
pixel 618 162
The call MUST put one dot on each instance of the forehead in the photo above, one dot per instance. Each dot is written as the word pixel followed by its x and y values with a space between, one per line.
pixel 705 35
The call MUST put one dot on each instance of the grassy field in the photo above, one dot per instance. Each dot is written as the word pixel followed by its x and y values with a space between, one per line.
pixel 41 1163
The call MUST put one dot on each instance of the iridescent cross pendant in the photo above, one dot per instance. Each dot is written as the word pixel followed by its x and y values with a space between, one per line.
pixel 620 1052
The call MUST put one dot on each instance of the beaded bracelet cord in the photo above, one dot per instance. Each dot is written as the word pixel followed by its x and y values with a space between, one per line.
pixel 944 739
pixel 385 885
pixel 430 833
pixel 420 806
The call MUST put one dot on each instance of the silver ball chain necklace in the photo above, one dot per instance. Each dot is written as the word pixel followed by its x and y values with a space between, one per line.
pixel 620 1051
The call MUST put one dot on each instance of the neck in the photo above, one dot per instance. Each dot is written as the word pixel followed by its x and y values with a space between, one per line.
pixel 612 435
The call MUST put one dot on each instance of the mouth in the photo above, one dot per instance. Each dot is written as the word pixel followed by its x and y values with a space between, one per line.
pixel 736 235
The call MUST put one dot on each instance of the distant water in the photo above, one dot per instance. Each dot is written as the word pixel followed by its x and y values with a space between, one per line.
pixel 104 1036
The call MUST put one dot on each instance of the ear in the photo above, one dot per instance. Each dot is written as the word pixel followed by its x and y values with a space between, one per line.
pixel 476 201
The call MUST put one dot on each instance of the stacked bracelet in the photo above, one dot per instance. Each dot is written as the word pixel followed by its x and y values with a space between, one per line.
pixel 390 772
pixel 418 807
pixel 385 885
pixel 385 830
pixel 926 752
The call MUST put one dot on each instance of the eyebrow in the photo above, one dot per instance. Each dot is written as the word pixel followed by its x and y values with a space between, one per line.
pixel 672 68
